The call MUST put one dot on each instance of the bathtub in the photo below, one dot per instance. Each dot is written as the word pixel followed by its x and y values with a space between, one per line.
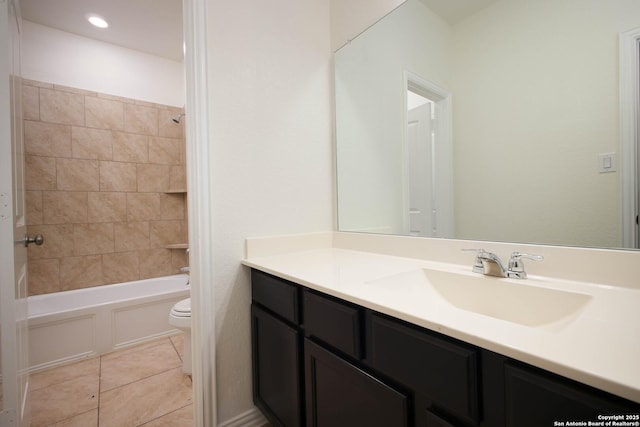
pixel 72 325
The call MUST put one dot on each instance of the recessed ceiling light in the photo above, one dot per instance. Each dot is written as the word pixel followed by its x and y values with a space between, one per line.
pixel 97 21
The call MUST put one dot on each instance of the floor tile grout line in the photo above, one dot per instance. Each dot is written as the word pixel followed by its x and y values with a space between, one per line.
pixel 100 391
pixel 163 415
pixel 141 379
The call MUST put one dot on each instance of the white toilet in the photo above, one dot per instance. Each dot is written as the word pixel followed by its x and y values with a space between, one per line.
pixel 180 317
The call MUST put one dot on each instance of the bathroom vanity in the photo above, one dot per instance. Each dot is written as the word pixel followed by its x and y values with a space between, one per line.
pixel 345 338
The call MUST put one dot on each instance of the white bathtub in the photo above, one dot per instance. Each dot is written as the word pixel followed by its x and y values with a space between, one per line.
pixel 72 325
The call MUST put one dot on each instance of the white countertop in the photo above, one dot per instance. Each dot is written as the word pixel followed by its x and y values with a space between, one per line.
pixel 599 345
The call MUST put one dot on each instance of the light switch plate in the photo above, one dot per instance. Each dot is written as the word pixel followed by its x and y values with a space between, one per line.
pixel 607 162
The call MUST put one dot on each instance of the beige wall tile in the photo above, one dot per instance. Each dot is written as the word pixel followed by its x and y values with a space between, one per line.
pixel 120 267
pixel 47 139
pixel 81 272
pixel 77 175
pixel 87 143
pixel 141 119
pixel 179 259
pixel 153 178
pixel 143 206
pixel 58 241
pixel 155 263
pixel 34 207
pixel 44 276
pixel 130 236
pixel 64 207
pixel 61 107
pixel 30 102
pixel 107 207
pixel 116 98
pixel 172 206
pixel 104 113
pixel 167 127
pixel 91 189
pixel 91 239
pixel 37 83
pixel 178 178
pixel 117 176
pixel 130 147
pixel 162 233
pixel 167 151
pixel 40 173
pixel 63 88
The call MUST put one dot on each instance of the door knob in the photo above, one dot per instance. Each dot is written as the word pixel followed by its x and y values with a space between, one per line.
pixel 37 239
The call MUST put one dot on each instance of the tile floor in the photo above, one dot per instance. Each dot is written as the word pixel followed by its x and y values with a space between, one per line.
pixel 137 386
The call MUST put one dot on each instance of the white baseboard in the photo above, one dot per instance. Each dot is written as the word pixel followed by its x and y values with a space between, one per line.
pixel 251 418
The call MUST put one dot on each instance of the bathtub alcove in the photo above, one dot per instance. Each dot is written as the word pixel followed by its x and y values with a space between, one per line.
pixel 72 325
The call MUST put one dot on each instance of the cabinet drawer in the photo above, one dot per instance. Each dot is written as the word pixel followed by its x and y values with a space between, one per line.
pixel 335 323
pixel 276 295
pixel 535 398
pixel 444 371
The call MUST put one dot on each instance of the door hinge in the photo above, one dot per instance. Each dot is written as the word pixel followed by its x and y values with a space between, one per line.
pixel 5 209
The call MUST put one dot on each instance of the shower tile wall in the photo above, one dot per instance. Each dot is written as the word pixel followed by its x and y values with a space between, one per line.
pixel 105 180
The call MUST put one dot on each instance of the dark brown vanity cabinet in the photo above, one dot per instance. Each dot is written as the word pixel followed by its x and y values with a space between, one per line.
pixel 535 398
pixel 276 350
pixel 319 361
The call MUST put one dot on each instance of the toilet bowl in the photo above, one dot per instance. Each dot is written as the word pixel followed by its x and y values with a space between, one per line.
pixel 180 317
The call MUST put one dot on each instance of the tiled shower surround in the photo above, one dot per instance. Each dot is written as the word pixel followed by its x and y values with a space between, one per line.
pixel 105 180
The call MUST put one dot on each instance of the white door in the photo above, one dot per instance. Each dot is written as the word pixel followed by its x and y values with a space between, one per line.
pixel 13 252
pixel 420 147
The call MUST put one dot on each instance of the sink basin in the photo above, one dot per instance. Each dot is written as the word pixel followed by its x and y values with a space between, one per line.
pixel 512 300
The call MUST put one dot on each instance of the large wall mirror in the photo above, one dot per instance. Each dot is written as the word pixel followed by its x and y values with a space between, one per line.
pixel 501 125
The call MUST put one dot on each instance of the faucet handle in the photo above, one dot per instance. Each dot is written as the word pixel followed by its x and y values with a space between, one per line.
pixel 478 267
pixel 516 266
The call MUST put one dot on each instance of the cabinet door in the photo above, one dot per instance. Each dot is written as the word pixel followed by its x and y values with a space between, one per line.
pixel 536 399
pixel 341 395
pixel 443 370
pixel 276 369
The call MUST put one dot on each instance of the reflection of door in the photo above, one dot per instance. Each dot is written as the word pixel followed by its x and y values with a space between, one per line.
pixel 13 253
pixel 427 163
pixel 421 165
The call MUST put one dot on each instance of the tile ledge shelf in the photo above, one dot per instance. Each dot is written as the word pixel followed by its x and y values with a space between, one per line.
pixel 178 246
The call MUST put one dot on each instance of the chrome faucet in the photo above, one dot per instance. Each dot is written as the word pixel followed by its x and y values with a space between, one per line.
pixel 490 264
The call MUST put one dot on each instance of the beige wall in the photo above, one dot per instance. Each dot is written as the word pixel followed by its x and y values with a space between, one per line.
pixel 98 172
pixel 535 103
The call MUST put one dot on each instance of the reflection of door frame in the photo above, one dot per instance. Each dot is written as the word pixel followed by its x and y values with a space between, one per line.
pixel 443 156
pixel 629 132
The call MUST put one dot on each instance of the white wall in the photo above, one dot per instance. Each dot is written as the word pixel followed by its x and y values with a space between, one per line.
pixel 370 120
pixel 536 96
pixel 270 99
pixel 66 59
pixel 350 17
